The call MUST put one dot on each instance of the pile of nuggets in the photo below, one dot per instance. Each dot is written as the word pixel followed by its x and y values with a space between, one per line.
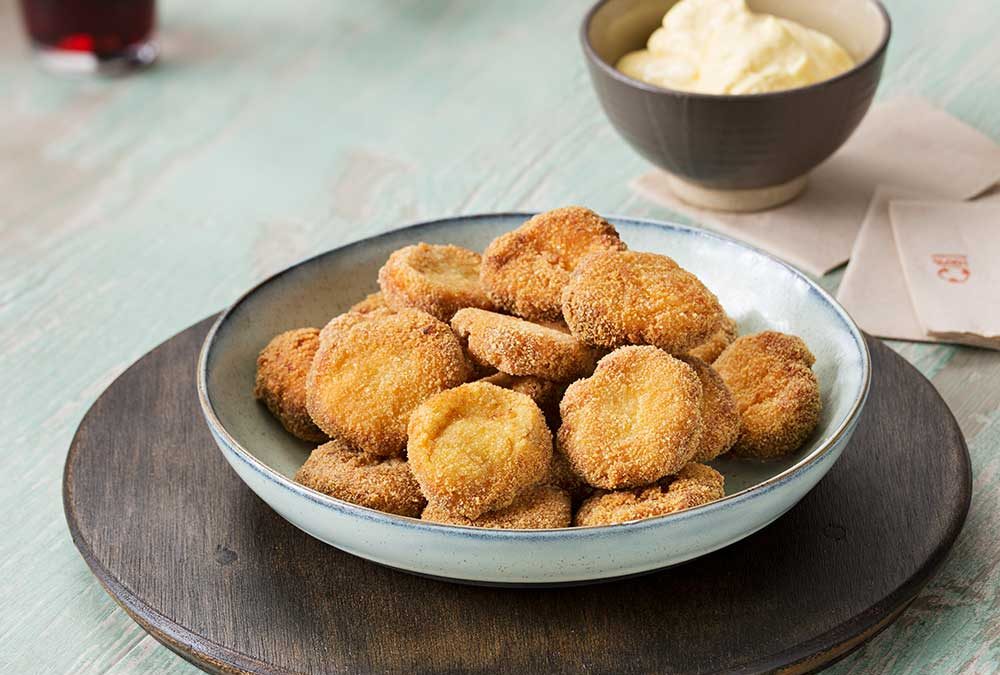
pixel 559 379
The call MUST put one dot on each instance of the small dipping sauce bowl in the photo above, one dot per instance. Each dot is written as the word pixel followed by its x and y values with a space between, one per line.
pixel 737 152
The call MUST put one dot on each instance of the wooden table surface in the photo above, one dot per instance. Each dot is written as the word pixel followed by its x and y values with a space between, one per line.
pixel 132 208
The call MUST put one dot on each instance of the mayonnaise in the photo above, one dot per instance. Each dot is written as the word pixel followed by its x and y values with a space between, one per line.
pixel 721 47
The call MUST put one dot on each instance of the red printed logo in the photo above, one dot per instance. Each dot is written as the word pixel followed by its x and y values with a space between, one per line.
pixel 952 267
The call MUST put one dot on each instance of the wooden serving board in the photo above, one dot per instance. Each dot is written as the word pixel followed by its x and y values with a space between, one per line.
pixel 210 571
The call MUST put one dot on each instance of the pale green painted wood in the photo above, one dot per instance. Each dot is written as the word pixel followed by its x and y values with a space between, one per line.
pixel 131 208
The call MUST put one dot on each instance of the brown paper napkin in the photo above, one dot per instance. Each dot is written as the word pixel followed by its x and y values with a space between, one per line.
pixel 905 142
pixel 950 257
pixel 873 289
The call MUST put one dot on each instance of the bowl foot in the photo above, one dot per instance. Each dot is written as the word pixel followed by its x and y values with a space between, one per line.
pixel 755 199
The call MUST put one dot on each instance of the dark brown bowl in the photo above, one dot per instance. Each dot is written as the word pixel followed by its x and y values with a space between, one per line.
pixel 741 142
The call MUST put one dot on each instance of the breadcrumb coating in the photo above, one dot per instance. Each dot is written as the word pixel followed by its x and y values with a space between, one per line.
pixel 561 475
pixel 477 447
pixel 635 420
pixel 370 374
pixel 694 485
pixel 372 301
pixel 696 474
pixel 709 350
pixel 361 478
pixel 615 298
pixel 777 395
pixel 718 413
pixel 282 367
pixel 518 347
pixel 438 279
pixel 545 393
pixel 342 323
pixel 540 507
pixel 524 271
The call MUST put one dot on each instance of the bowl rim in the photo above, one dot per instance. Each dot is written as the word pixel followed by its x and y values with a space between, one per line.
pixel 613 72
pixel 222 434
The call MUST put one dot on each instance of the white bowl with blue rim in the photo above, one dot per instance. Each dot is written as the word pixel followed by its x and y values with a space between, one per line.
pixel 759 291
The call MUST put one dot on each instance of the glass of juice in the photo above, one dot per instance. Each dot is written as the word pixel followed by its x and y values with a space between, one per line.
pixel 92 35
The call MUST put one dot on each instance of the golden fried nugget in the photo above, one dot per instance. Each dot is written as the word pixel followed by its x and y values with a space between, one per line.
pixel 439 280
pixel 524 270
pixel 777 394
pixel 695 475
pixel 718 412
pixel 709 350
pixel 477 447
pixel 361 478
pixel 695 484
pixel 371 302
pixel 282 368
pixel 615 298
pixel 370 374
pixel 518 347
pixel 635 420
pixel 540 507
pixel 545 393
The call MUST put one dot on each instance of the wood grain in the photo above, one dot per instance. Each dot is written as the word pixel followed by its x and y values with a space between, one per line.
pixel 209 570
pixel 130 208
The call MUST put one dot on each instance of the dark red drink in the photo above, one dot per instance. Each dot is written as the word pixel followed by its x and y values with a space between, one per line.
pixel 92 31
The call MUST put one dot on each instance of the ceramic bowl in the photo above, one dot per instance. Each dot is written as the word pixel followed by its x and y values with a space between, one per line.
pixel 757 290
pixel 737 152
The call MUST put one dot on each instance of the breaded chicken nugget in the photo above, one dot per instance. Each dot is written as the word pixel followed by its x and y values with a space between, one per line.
pixel 615 298
pixel 540 507
pixel 635 420
pixel 709 350
pixel 695 476
pixel 718 413
pixel 518 347
pixel 524 271
pixel 361 478
pixel 371 302
pixel 281 381
pixel 439 280
pixel 477 447
pixel 696 484
pixel 368 377
pixel 777 394
pixel 545 393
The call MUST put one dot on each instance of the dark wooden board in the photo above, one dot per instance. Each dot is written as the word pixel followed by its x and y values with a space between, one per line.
pixel 209 570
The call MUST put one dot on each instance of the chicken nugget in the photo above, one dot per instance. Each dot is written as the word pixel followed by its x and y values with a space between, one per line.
pixel 371 302
pixel 524 270
pixel 477 447
pixel 545 393
pixel 709 350
pixel 718 413
pixel 362 478
pixel 694 485
pixel 635 420
pixel 615 298
pixel 518 347
pixel 694 476
pixel 282 367
pixel 777 395
pixel 439 280
pixel 372 372
pixel 540 507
